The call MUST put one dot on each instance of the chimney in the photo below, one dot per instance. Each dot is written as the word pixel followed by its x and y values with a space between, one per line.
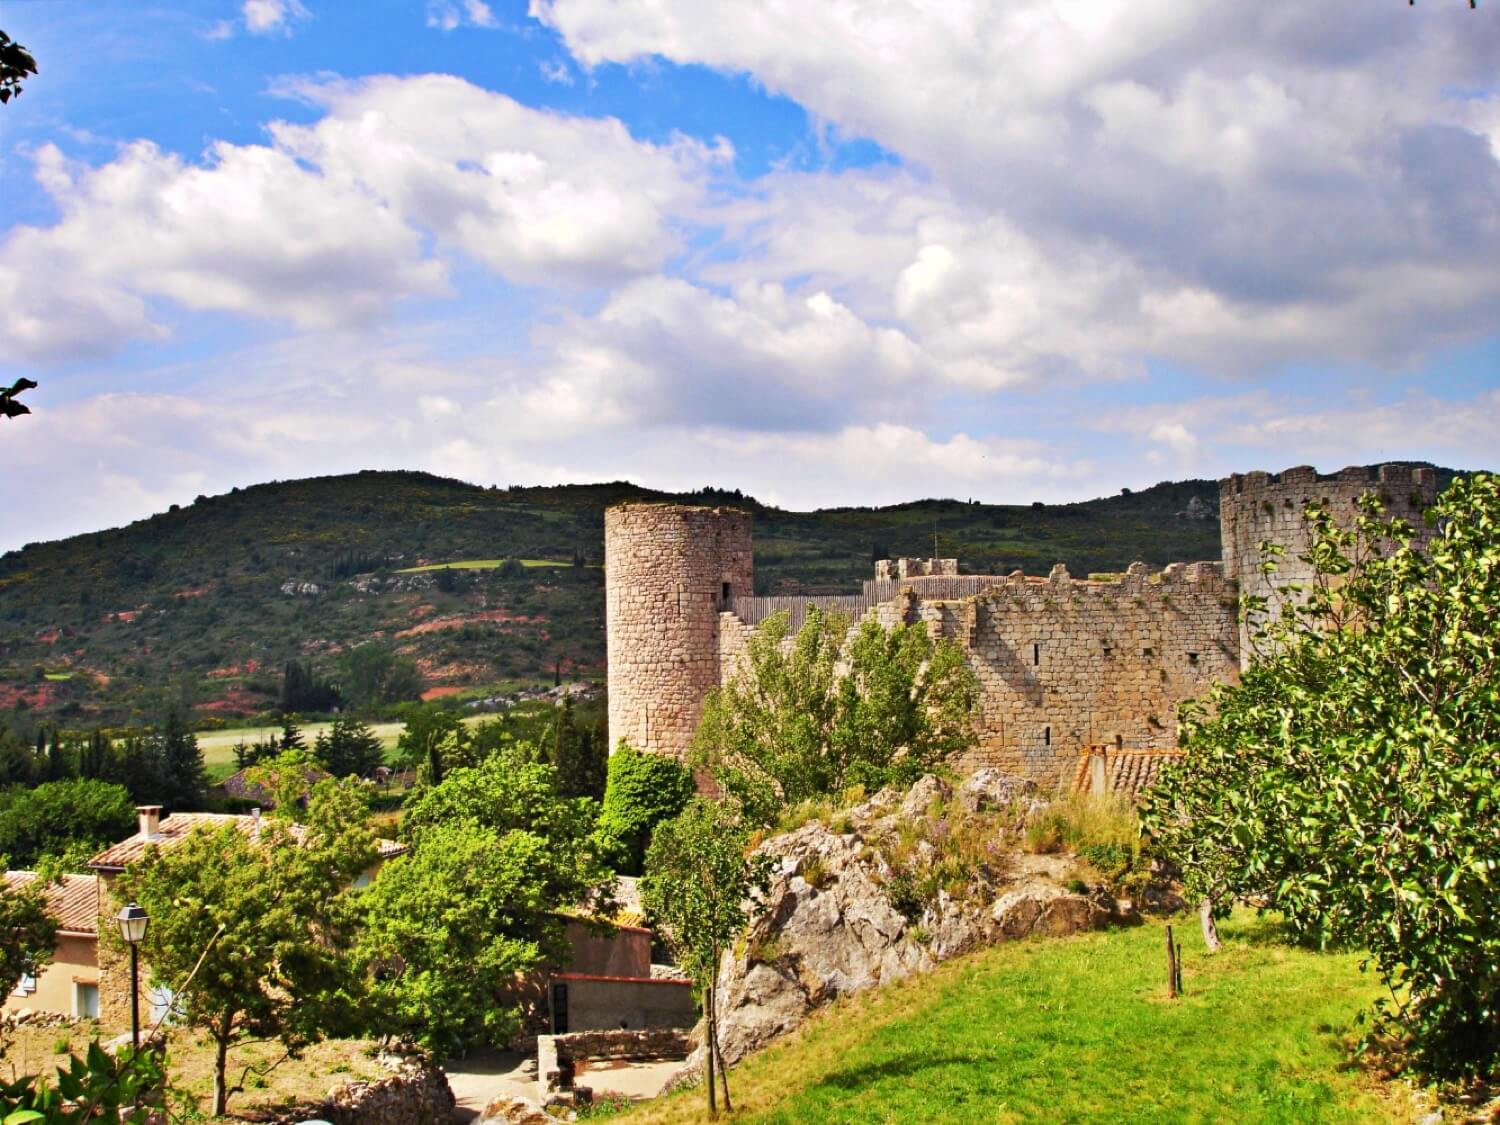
pixel 150 816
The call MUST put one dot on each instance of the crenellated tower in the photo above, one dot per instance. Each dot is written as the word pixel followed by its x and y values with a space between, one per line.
pixel 1257 507
pixel 669 571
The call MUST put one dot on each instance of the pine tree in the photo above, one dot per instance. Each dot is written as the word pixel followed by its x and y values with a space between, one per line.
pixel 349 748
pixel 291 734
pixel 184 783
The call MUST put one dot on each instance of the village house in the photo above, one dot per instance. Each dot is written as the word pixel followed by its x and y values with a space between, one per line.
pixel 70 983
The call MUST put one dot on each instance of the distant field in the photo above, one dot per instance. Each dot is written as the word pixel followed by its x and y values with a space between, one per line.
pixel 479 564
pixel 1080 1029
pixel 218 745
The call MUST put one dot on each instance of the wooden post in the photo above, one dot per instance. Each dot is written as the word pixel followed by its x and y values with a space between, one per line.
pixel 1171 967
pixel 1177 967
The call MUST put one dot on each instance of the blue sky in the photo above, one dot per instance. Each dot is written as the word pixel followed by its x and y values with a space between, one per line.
pixel 838 254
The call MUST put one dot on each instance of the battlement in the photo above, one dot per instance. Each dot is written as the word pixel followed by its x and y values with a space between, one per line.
pixel 896 569
pixel 1258 507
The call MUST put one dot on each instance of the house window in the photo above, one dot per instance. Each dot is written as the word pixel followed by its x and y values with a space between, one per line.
pixel 1192 658
pixel 160 1000
pixel 85 1000
pixel 25 986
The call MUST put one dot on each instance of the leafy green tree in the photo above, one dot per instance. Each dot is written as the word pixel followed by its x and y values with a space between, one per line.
pixel 1349 780
pixel 811 717
pixel 80 814
pixel 272 919
pixel 642 791
pixel 349 748
pixel 372 676
pixel 16 64
pixel 27 932
pixel 697 884
pixel 495 853
pixel 433 741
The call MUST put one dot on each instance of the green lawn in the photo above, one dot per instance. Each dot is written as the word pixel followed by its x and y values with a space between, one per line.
pixel 1080 1030
pixel 218 746
pixel 480 564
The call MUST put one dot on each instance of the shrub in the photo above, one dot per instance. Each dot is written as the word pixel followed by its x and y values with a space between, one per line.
pixel 640 792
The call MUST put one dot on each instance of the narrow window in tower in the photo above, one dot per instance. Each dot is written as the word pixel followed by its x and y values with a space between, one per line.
pixel 1192 658
pixel 1046 736
pixel 728 592
pixel 1036 654
pixel 1119 742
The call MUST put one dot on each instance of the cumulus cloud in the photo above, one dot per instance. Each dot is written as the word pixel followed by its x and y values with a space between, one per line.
pixel 332 222
pixel 1228 185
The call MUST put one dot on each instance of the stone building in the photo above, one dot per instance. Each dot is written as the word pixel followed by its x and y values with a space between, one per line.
pixel 1065 665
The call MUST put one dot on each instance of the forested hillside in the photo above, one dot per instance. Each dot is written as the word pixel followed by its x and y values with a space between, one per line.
pixel 207 604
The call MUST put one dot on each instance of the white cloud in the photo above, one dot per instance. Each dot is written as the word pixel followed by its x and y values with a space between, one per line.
pixel 1227 185
pixel 332 222
pixel 449 15
pixel 271 17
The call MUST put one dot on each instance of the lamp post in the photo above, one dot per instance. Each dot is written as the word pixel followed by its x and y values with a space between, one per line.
pixel 133 922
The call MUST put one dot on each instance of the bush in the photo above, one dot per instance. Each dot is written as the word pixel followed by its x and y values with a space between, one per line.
pixel 641 791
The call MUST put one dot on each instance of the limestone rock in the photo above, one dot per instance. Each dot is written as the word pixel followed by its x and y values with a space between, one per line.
pixel 513 1111
pixel 990 790
pixel 814 941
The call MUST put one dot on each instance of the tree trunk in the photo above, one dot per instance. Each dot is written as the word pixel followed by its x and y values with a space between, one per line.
pixel 723 1070
pixel 1210 929
pixel 221 1063
pixel 708 1041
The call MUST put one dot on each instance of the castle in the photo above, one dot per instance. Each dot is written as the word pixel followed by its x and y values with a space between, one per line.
pixel 1065 665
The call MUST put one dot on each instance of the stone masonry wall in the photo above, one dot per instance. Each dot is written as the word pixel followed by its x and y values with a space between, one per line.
pixel 668 570
pixel 1065 664
pixel 1255 507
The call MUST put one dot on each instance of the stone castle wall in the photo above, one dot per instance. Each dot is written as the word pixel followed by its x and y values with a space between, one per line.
pixel 1256 507
pixel 1063 664
pixel 668 571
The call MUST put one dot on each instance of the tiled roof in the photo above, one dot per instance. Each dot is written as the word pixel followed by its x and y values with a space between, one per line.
pixel 73 902
pixel 179 826
pixel 1127 773
pixel 239 785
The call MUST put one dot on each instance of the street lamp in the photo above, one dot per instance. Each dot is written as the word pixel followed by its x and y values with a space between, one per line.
pixel 133 921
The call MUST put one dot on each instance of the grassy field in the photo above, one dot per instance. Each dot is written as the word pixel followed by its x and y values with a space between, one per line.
pixel 480 564
pixel 218 746
pixel 1080 1030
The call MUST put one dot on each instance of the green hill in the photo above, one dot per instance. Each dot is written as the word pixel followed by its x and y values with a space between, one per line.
pixel 205 604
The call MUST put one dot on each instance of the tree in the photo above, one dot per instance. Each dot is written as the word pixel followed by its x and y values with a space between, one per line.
pixel 1349 779
pixel 349 748
pixel 811 717
pixel 372 675
pixel 16 64
pixel 27 932
pixel 495 854
pixel 80 814
pixel 271 918
pixel 697 883
pixel 642 791
pixel 433 741
pixel 580 757
pixel 184 782
pixel 291 735
pixel 302 689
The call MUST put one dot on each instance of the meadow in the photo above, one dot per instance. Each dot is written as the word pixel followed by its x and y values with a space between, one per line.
pixel 1081 1030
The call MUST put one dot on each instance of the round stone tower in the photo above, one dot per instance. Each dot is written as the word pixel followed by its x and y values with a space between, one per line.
pixel 669 571
pixel 1255 507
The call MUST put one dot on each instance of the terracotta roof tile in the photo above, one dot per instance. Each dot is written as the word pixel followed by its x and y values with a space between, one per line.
pixel 179 826
pixel 73 902
pixel 1127 773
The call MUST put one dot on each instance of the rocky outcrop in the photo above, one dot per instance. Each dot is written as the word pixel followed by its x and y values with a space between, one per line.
pixel 894 887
